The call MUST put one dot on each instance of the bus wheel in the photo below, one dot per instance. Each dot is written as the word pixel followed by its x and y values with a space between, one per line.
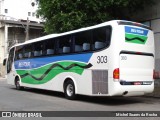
pixel 69 90
pixel 17 84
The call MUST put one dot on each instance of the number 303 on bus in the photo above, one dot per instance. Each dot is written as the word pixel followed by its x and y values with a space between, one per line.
pixel 101 59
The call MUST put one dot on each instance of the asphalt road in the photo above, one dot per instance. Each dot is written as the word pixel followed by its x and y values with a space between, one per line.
pixel 41 100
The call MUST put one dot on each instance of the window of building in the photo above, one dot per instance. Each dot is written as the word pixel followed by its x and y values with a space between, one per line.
pixel 29 13
pixel 37 16
pixel 6 10
pixel 33 14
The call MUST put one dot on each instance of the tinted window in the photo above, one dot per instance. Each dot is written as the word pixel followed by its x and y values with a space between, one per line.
pixel 64 45
pixel 27 51
pixel 49 47
pixel 38 49
pixel 19 53
pixel 90 40
pixel 83 41
pixel 101 37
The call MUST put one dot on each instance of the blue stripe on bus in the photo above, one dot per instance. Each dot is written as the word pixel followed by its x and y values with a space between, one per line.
pixel 137 31
pixel 38 62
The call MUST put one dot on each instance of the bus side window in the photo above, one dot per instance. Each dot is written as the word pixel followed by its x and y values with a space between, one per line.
pixel 65 44
pixel 66 49
pixel 38 48
pixel 86 46
pixel 20 56
pixel 78 48
pixel 49 47
pixel 50 51
pixel 27 51
pixel 83 41
pixel 101 37
pixel 36 53
pixel 19 53
pixel 99 45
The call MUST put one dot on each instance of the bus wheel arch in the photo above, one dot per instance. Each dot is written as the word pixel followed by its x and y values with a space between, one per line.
pixel 17 83
pixel 69 88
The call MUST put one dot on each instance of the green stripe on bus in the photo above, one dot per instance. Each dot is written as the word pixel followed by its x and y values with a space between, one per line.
pixel 131 38
pixel 52 73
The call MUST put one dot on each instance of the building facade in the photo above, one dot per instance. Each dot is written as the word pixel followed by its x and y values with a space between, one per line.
pixel 18 23
pixel 19 9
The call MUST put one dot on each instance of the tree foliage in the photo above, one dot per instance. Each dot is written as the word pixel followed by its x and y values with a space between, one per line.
pixel 65 15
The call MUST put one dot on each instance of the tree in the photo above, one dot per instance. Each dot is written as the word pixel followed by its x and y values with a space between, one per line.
pixel 65 15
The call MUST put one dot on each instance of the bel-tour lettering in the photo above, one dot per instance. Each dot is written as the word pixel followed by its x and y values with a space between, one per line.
pixel 137 31
pixel 24 64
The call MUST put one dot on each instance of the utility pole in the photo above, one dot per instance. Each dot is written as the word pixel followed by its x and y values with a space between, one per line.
pixel 27 30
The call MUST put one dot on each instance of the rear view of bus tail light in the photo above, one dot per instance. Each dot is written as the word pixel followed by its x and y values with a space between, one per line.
pixel 116 73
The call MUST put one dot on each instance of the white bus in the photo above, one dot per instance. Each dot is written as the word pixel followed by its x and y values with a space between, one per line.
pixel 115 58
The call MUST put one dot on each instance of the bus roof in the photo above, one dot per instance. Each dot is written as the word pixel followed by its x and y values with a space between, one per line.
pixel 118 22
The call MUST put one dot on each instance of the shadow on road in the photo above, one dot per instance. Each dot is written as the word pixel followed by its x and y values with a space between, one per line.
pixel 96 100
pixel 111 100
pixel 42 92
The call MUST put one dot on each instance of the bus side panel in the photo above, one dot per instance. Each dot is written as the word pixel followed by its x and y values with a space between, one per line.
pixel 41 72
pixel 100 73
pixel 90 81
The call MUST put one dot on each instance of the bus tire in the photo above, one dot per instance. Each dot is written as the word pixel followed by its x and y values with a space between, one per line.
pixel 17 84
pixel 69 90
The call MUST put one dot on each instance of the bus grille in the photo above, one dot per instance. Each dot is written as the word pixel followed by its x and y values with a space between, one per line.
pixel 100 82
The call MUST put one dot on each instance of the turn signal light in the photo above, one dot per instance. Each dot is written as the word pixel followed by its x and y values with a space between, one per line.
pixel 116 73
